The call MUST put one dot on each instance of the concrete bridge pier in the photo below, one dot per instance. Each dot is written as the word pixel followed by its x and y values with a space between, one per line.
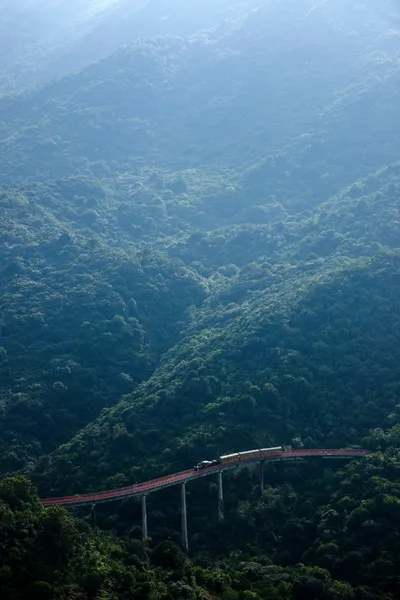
pixel 144 519
pixel 262 464
pixel 221 515
pixel 93 515
pixel 185 540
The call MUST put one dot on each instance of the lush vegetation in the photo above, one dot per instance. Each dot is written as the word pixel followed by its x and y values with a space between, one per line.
pixel 43 39
pixel 191 262
pixel 336 538
pixel 82 322
pixel 301 342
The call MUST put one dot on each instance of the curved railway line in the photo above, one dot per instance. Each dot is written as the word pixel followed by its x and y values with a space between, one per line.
pixel 185 476
pixel 182 478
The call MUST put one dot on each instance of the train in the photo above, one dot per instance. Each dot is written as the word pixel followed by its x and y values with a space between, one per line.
pixel 237 457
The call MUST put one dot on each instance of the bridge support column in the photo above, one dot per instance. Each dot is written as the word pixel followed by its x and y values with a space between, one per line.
pixel 144 519
pixel 185 540
pixel 220 498
pixel 262 463
pixel 93 515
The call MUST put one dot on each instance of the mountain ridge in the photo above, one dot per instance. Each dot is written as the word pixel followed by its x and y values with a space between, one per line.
pixel 200 253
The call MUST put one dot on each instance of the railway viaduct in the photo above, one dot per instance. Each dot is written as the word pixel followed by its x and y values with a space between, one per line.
pixel 182 478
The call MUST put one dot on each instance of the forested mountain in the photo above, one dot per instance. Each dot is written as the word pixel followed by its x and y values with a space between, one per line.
pixel 51 38
pixel 202 102
pixel 199 253
pixel 33 34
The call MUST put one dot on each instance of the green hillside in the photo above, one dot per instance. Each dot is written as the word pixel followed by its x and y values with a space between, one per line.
pixel 334 538
pixel 44 39
pixel 200 253
pixel 202 102
pixel 297 339
pixel 139 187
pixel 78 316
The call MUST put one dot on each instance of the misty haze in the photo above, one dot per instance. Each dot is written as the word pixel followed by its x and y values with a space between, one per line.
pixel 199 300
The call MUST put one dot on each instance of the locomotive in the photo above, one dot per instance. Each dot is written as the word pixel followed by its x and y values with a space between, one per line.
pixel 237 457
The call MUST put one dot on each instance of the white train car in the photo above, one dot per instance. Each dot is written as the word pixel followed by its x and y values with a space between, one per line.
pixel 249 454
pixel 237 457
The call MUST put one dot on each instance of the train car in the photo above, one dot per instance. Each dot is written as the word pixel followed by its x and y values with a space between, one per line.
pixel 249 454
pixel 274 450
pixel 236 457
pixel 229 458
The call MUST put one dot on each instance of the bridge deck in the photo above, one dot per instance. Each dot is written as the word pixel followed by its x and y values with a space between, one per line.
pixel 169 480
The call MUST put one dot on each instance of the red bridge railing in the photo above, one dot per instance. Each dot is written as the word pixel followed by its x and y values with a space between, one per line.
pixel 184 476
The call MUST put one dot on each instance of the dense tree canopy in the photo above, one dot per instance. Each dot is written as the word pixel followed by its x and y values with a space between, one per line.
pixel 199 253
